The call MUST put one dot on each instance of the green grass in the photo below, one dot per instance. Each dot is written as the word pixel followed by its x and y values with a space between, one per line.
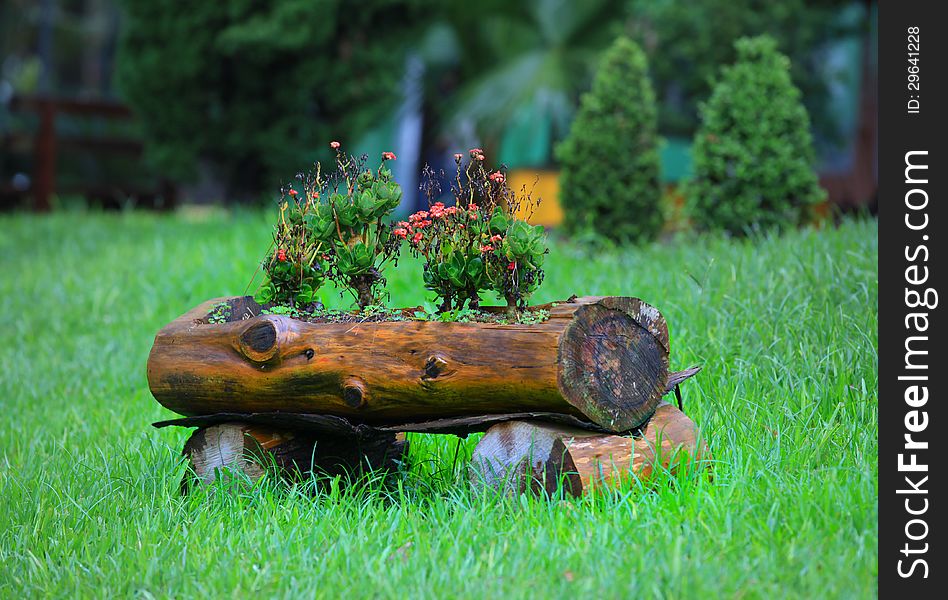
pixel 784 326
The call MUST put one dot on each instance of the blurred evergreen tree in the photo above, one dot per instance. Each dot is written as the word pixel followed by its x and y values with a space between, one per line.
pixel 753 153
pixel 609 182
pixel 256 90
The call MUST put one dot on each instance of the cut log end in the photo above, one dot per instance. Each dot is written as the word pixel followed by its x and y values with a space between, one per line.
pixel 613 361
pixel 518 456
pixel 254 450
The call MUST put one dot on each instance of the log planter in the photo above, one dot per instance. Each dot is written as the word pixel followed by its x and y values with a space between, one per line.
pixel 337 397
pixel 603 360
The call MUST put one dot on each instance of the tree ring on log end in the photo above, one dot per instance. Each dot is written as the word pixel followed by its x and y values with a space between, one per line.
pixel 613 362
pixel 259 340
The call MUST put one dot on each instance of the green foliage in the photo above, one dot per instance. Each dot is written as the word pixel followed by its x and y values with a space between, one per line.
pixel 343 216
pixel 519 274
pixel 475 315
pixel 333 228
pixel 478 244
pixel 220 313
pixel 609 183
pixel 248 88
pixel 687 42
pixel 454 242
pixel 753 152
pixel 295 269
pixel 284 310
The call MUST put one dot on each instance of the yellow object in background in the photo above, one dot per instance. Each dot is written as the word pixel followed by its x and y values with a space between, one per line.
pixel 544 185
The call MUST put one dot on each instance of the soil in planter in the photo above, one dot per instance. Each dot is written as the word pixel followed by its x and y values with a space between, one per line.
pixel 245 308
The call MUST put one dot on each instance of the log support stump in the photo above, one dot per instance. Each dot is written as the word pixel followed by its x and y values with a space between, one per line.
pixel 256 450
pixel 517 456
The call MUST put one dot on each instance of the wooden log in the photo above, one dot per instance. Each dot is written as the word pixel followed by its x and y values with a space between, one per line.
pixel 603 359
pixel 519 455
pixel 254 450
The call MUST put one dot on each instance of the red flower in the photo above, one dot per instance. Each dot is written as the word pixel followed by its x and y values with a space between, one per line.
pixel 487 248
pixel 495 238
pixel 451 210
pixel 388 156
pixel 480 157
pixel 281 255
pixel 497 177
pixel 476 151
pixel 400 232
pixel 404 224
pixel 418 216
pixel 416 238
pixel 512 266
pixel 292 192
pixel 472 206
pixel 334 145
pixel 457 157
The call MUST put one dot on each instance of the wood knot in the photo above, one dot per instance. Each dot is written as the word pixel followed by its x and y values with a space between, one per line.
pixel 435 366
pixel 258 341
pixel 354 392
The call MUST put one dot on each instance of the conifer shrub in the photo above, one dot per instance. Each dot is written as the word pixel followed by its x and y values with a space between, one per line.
pixel 609 183
pixel 753 153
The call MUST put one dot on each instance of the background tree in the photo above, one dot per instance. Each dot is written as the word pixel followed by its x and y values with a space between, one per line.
pixel 255 90
pixel 688 41
pixel 753 152
pixel 609 181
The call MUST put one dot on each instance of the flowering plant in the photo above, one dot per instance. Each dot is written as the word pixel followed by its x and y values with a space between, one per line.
pixel 479 243
pixel 339 219
pixel 295 269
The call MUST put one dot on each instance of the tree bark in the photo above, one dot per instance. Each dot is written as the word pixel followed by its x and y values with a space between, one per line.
pixel 603 359
pixel 517 456
pixel 291 454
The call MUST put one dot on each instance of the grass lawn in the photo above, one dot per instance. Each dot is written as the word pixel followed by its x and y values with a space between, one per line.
pixel 89 505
